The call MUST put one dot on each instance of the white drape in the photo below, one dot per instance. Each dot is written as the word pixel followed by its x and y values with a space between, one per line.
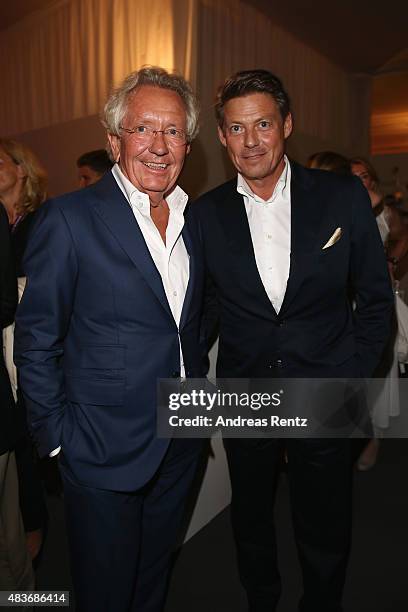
pixel 236 36
pixel 59 64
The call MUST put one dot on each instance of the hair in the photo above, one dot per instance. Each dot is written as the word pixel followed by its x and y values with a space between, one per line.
pixel 34 190
pixel 368 166
pixel 329 160
pixel 247 82
pixel 97 160
pixel 116 105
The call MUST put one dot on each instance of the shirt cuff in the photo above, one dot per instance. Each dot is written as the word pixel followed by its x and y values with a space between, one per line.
pixel 55 452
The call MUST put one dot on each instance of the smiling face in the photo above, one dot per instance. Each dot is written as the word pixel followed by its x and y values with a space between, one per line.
pixel 153 167
pixel 254 135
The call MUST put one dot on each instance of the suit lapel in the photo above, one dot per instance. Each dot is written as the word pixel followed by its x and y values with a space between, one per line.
pixel 192 273
pixel 234 220
pixel 116 213
pixel 306 217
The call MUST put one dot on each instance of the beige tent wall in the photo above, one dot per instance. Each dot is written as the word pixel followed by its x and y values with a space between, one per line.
pixel 62 62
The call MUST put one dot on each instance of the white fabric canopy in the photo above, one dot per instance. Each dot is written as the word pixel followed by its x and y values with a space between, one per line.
pixel 60 63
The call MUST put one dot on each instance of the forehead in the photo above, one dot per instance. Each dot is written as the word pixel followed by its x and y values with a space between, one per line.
pixel 156 103
pixel 86 171
pixel 359 168
pixel 252 106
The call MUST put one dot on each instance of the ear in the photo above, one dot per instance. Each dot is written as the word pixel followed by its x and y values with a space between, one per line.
pixel 288 125
pixel 221 136
pixel 114 143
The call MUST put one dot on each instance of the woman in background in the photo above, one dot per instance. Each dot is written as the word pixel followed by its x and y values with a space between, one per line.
pixel 394 235
pixel 16 572
pixel 22 191
pixel 392 229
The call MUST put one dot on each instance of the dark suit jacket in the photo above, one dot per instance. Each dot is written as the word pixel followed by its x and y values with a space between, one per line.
pixel 316 332
pixel 94 333
pixel 9 429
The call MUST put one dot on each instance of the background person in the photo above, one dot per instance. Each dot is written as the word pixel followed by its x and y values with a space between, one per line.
pixel 92 166
pixel 23 184
pixel 331 161
pixel 16 572
pixel 394 235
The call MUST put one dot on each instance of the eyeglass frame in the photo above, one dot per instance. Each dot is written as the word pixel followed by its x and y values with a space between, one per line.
pixel 153 133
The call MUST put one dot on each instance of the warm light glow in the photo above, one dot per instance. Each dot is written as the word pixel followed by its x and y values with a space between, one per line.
pixel 389 133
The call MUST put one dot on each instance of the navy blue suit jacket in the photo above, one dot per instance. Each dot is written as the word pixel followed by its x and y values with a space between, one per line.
pixel 94 333
pixel 316 332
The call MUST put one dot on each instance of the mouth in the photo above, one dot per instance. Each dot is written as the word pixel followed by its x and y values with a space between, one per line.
pixel 253 156
pixel 155 166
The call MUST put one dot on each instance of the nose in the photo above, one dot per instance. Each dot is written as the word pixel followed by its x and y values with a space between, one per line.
pixel 251 138
pixel 158 146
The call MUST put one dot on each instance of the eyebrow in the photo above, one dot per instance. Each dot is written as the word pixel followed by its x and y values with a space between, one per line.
pixel 262 118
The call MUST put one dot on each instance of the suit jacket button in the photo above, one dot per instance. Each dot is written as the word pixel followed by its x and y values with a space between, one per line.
pixel 176 374
pixel 279 363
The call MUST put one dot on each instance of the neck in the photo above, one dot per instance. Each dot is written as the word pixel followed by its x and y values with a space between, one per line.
pixel 264 187
pixel 157 200
pixel 10 201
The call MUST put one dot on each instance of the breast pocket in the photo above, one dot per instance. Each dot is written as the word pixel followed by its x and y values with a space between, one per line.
pixel 334 250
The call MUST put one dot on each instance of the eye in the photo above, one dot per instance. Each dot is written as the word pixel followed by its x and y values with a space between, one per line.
pixel 141 129
pixel 265 125
pixel 236 129
pixel 173 132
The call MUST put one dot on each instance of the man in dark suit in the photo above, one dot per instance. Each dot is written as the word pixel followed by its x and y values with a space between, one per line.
pixel 112 304
pixel 283 246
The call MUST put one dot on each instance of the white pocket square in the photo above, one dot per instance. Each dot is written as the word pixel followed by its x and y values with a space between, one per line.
pixel 333 239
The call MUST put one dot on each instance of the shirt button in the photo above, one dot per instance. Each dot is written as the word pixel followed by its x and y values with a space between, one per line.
pixel 175 293
pixel 269 236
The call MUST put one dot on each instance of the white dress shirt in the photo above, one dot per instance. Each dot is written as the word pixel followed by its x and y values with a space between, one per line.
pixel 171 259
pixel 270 226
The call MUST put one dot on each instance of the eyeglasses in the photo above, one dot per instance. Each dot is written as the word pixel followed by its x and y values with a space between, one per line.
pixel 145 134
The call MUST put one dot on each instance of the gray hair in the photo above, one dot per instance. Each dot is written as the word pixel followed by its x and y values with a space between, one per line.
pixel 116 105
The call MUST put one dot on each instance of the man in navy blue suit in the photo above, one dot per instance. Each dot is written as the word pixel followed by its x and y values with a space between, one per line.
pixel 283 248
pixel 112 304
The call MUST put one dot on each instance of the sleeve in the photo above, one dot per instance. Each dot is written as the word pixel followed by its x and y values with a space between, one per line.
pixel 209 326
pixel 42 322
pixel 8 281
pixel 370 282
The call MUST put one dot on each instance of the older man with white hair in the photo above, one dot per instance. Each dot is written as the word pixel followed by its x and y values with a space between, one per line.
pixel 113 304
